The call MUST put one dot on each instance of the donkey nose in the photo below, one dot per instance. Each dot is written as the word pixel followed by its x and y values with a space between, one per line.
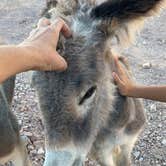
pixel 58 158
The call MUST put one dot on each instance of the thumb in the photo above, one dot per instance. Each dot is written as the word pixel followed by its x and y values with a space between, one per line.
pixel 116 78
pixel 59 63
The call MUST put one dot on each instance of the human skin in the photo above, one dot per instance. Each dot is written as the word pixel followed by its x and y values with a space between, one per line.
pixel 37 52
pixel 129 88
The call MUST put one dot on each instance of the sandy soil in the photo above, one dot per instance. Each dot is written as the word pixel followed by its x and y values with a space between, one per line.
pixel 19 17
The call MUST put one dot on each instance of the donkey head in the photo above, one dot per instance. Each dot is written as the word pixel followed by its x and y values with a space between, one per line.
pixel 76 102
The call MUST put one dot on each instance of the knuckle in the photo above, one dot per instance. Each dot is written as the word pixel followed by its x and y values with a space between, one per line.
pixel 49 29
pixel 60 20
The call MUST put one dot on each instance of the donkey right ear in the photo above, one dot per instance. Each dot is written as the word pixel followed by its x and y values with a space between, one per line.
pixel 64 7
pixel 49 4
pixel 123 13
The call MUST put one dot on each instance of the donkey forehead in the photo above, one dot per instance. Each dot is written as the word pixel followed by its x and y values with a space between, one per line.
pixel 84 64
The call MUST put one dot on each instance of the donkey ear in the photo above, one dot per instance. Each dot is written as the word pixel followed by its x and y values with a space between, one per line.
pixel 126 13
pixel 49 4
pixel 63 7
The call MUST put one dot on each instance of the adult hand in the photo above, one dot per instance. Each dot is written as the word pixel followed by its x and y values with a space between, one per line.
pixel 42 43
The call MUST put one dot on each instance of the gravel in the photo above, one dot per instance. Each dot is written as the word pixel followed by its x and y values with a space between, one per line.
pixel 147 56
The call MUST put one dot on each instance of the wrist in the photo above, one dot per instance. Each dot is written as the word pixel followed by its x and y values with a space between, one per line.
pixel 134 91
pixel 30 56
pixel 131 92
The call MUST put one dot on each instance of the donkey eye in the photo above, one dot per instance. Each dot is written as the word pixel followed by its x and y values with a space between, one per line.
pixel 88 94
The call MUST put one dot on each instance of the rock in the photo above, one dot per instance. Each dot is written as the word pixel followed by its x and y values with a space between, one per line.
pixel 142 144
pixel 147 65
pixel 162 41
pixel 153 108
pixel 30 147
pixel 163 141
pixel 33 152
pixel 160 125
pixel 144 42
pixel 40 151
pixel 141 159
pixel 136 154
pixel 158 156
pixel 20 122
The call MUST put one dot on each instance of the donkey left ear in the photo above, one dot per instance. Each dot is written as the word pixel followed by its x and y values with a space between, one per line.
pixel 126 13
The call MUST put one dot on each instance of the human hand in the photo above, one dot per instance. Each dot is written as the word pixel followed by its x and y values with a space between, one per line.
pixel 121 78
pixel 42 43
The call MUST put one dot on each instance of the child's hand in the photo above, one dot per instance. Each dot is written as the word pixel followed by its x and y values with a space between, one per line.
pixel 124 83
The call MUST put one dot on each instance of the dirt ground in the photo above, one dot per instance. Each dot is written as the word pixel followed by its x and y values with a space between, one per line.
pixel 19 17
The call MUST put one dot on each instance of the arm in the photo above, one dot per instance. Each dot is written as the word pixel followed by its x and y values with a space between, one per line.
pixel 35 53
pixel 157 93
pixel 129 88
pixel 15 59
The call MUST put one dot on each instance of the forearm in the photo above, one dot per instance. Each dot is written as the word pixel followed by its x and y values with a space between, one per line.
pixel 157 93
pixel 13 60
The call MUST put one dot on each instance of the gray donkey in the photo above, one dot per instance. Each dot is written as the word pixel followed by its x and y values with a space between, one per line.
pixel 12 145
pixel 83 113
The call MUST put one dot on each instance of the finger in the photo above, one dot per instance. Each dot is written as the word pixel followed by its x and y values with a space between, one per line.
pixel 116 78
pixel 123 59
pixel 33 32
pixel 119 67
pixel 116 59
pixel 125 62
pixel 60 26
pixel 43 22
pixel 59 62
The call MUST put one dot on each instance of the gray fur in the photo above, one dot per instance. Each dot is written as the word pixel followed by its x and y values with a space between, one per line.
pixel 8 129
pixel 106 125
pixel 12 145
pixel 103 122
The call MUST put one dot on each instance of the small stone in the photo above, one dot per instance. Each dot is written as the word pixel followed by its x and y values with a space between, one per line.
pixel 144 42
pixel 162 41
pixel 20 122
pixel 147 65
pixel 160 125
pixel 30 147
pixel 164 142
pixel 142 144
pixel 141 159
pixel 158 156
pixel 153 108
pixel 136 154
pixel 40 151
pixel 33 151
